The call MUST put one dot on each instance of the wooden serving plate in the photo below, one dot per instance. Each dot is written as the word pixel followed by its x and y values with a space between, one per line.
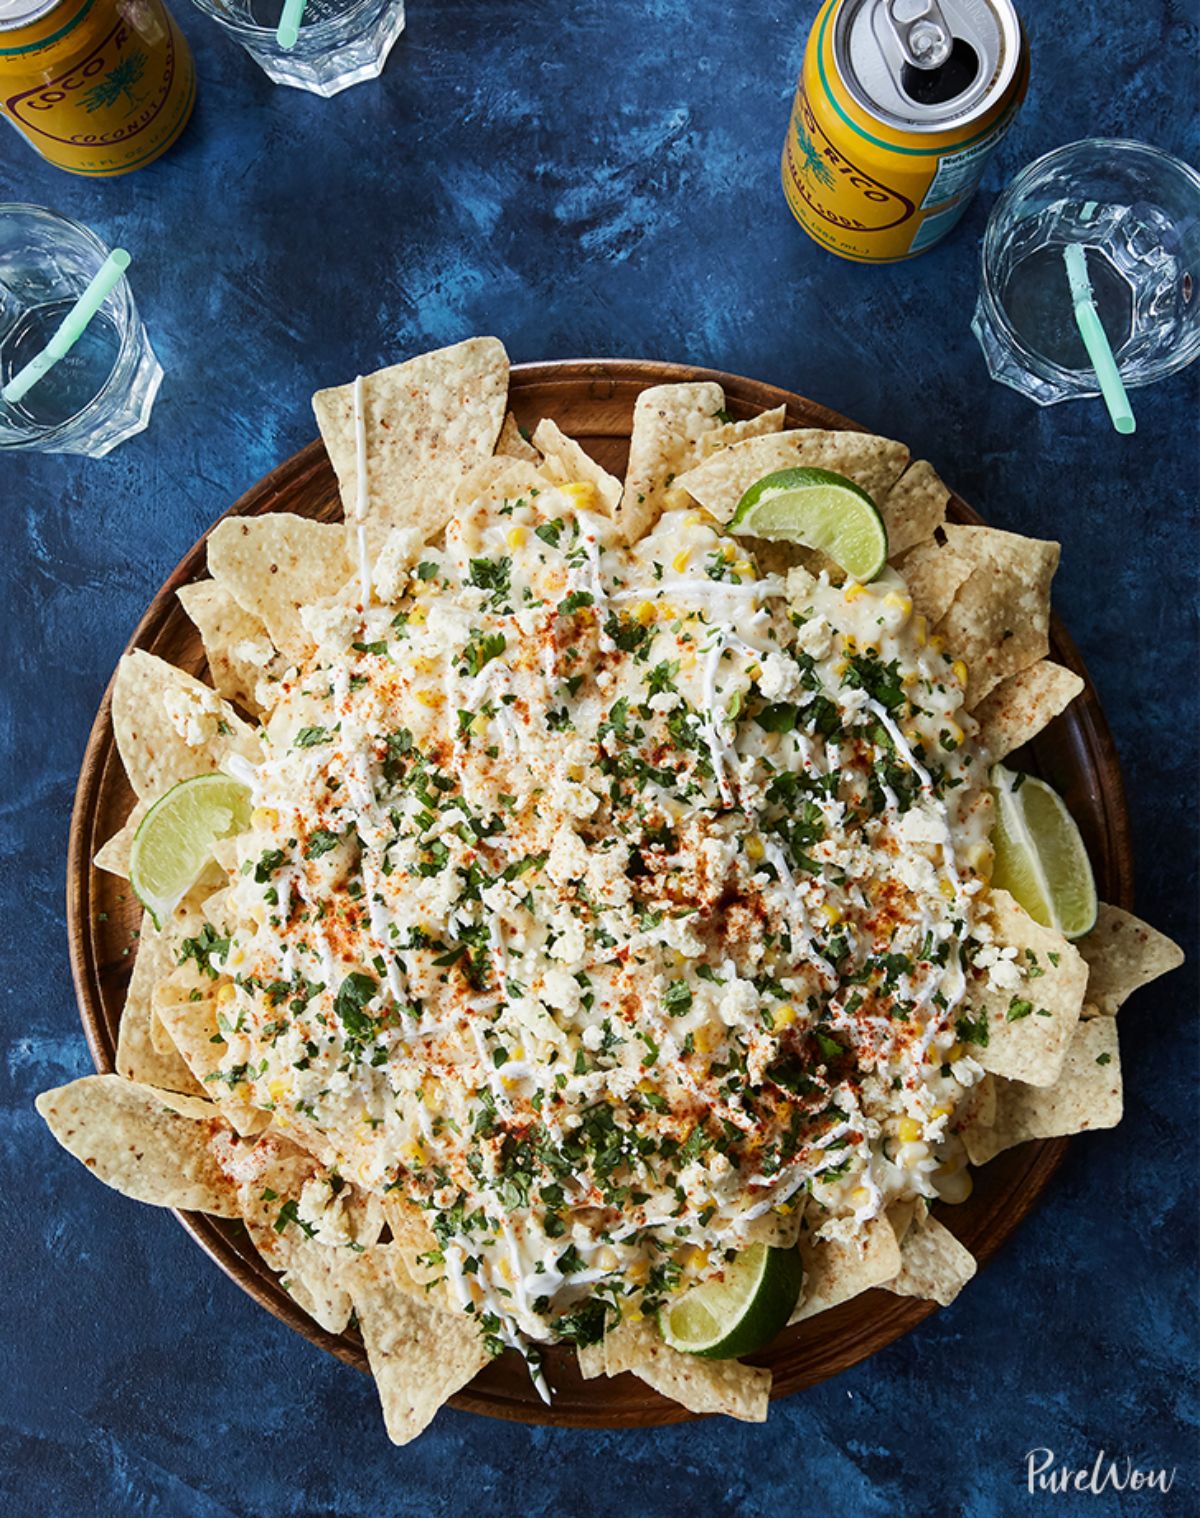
pixel 593 401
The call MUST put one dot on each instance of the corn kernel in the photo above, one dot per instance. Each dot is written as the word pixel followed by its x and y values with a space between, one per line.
pixel 676 498
pixel 922 630
pixel 953 731
pixel 960 671
pixel 431 1095
pixel 784 1016
pixel 785 1209
pixel 954 1053
pixel 680 562
pixel 853 591
pixel 754 847
pixel 830 913
pixel 638 1272
pixel 646 613
pixel 279 1088
pixel 606 1258
pixel 516 537
pixel 505 1269
pixel 518 1051
pixel 226 994
pixel 937 645
pixel 416 616
pixel 908 1130
pixel 645 1086
pixel 939 1112
pixel 910 678
pixel 667 612
pixel 431 698
pixel 424 665
pixel 860 1195
pixel 693 519
pixel 696 1258
pixel 901 603
pixel 707 1038
pixel 687 661
pixel 264 817
pixel 744 568
pixel 946 886
pixel 413 1152
pixel 575 772
pixel 236 957
pixel 581 494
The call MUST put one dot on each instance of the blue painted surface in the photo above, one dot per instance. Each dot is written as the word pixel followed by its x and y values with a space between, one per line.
pixel 586 179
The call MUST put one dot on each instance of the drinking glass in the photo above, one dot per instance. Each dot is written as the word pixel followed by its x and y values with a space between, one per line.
pixel 1136 210
pixel 341 42
pixel 103 390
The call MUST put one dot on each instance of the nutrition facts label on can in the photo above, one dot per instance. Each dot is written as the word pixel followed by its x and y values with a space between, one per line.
pixel 959 173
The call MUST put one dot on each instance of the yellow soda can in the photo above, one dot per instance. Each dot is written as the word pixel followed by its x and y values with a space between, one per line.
pixel 98 87
pixel 899 105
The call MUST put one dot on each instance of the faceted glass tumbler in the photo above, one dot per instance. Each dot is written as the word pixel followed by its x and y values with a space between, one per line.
pixel 102 391
pixel 1136 211
pixel 341 42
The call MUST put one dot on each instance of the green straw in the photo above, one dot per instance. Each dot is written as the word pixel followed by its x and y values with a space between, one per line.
pixel 70 329
pixel 288 29
pixel 1095 339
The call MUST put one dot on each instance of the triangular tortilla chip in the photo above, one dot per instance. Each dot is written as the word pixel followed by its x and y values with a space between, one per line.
pixel 933 574
pixel 155 754
pixel 139 1055
pixel 1021 706
pixel 419 1354
pixel 1086 1095
pixel 1028 1026
pixel 113 856
pixel 914 508
pixel 1122 954
pixel 511 478
pixel 834 1272
pixel 669 422
pixel 999 620
pixel 933 1264
pixel 728 433
pixel 513 444
pixel 185 1003
pixel 273 565
pixel 236 643
pixel 702 1386
pixel 566 462
pixel 268 1195
pixel 426 422
pixel 128 1139
pixel 719 483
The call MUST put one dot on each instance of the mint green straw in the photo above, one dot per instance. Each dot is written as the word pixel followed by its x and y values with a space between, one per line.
pixel 288 29
pixel 71 328
pixel 1095 339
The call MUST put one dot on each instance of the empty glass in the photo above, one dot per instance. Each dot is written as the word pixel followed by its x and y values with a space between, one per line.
pixel 341 42
pixel 1136 210
pixel 103 390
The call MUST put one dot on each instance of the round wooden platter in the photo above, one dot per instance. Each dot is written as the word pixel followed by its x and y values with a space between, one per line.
pixel 592 401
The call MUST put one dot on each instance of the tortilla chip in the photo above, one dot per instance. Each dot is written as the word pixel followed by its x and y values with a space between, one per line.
pixel 139 1055
pixel 1022 705
pixel 412 1240
pixel 271 1180
pixel 835 1272
pixel 113 856
pixel 1122 954
pixel 126 1137
pixel 702 1386
pixel 273 565
pixel 185 1002
pixel 426 423
pixel 933 574
pixel 154 754
pixel 999 620
pixel 566 462
pixel 978 1107
pixel 669 422
pixel 591 1360
pixel 734 432
pixel 934 1265
pixel 901 1214
pixel 236 643
pixel 1029 1027
pixel 719 483
pixel 914 508
pixel 513 444
pixel 419 1355
pixel 1086 1095
pixel 495 476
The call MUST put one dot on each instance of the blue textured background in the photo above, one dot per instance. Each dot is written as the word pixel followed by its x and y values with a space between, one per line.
pixel 593 178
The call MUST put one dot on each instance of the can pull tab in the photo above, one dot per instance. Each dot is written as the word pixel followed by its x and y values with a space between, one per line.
pixel 922 32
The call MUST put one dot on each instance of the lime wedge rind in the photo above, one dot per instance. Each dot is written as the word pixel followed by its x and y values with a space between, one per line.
pixel 819 509
pixel 738 1314
pixel 1040 856
pixel 175 838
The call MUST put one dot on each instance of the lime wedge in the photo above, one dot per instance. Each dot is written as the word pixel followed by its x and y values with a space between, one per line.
pixel 174 840
pixel 818 509
pixel 1040 857
pixel 741 1311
